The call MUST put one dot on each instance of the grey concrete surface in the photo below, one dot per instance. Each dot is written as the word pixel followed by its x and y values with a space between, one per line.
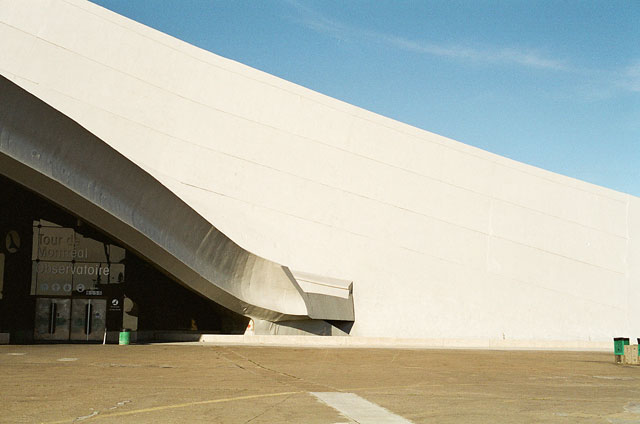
pixel 227 384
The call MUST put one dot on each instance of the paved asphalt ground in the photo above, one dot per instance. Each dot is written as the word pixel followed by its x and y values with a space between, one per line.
pixel 225 384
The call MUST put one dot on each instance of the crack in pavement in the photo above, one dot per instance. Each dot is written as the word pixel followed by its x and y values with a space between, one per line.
pixel 289 379
pixel 268 409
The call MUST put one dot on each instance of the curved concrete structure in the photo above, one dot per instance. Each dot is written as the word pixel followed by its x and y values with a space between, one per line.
pixel 47 152
pixel 442 240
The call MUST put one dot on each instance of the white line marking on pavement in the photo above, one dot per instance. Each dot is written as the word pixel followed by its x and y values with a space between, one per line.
pixel 93 414
pixel 358 409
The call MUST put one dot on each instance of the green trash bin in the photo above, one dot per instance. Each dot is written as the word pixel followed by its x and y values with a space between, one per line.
pixel 125 337
pixel 618 347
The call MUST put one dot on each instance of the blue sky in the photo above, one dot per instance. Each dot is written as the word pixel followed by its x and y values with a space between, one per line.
pixel 555 84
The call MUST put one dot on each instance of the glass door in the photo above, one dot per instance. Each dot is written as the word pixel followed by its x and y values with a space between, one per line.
pixel 52 319
pixel 88 319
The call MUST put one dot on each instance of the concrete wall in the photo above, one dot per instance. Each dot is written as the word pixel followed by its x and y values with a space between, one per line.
pixel 442 240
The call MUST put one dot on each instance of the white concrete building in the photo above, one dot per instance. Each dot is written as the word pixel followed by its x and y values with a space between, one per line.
pixel 441 240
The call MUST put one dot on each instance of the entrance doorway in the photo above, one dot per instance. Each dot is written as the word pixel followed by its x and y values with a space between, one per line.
pixel 52 258
pixel 65 319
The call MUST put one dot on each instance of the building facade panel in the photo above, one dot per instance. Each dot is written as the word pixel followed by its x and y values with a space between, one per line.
pixel 442 240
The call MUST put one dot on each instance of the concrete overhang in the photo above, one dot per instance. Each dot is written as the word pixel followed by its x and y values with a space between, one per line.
pixel 52 155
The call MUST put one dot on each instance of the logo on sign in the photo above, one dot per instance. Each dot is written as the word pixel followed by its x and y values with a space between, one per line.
pixel 114 305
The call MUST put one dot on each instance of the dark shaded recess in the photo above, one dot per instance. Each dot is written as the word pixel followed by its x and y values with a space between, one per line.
pixel 163 303
pixel 342 325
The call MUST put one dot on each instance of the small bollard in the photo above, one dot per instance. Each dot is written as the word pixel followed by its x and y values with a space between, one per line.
pixel 125 337
pixel 618 347
pixel 631 354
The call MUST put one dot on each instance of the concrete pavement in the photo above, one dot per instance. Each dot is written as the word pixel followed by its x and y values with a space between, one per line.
pixel 239 384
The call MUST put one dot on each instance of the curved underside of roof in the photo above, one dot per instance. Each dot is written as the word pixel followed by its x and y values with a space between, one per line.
pixel 52 155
